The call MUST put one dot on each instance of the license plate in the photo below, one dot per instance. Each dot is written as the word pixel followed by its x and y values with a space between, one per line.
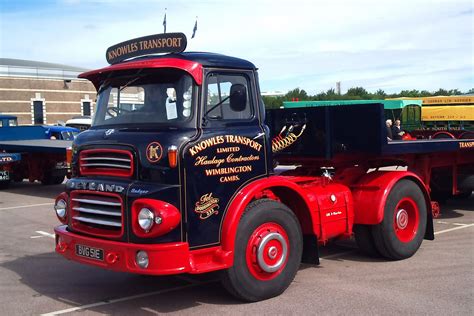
pixel 4 175
pixel 90 252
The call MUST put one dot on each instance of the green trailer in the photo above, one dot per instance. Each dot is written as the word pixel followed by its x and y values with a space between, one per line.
pixel 408 111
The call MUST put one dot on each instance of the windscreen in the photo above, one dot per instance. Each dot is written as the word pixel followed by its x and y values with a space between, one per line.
pixel 160 97
pixel 69 135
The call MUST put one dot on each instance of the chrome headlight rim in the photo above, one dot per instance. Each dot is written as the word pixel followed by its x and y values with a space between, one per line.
pixel 61 208
pixel 146 219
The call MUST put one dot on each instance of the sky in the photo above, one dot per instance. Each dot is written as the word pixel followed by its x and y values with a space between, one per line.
pixel 376 44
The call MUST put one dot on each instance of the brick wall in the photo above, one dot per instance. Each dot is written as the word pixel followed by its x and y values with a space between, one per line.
pixel 61 99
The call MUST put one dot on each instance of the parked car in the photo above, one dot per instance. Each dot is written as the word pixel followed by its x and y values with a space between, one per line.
pixel 9 130
pixel 81 122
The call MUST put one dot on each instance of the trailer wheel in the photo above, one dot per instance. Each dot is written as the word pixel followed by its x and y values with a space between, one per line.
pixel 365 240
pixel 267 254
pixel 403 227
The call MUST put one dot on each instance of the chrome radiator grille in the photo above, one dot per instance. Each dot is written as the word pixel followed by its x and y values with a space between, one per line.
pixel 97 213
pixel 108 162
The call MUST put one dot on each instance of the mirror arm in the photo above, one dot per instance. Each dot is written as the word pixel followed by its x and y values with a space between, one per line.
pixel 216 105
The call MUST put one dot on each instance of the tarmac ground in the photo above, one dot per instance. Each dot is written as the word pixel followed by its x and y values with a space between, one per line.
pixel 437 280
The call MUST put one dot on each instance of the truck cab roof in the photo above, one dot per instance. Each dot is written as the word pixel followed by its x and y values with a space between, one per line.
pixel 206 59
pixel 191 62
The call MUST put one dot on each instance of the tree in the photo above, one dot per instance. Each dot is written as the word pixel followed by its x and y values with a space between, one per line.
pixel 272 102
pixel 297 93
pixel 354 93
pixel 357 93
pixel 441 92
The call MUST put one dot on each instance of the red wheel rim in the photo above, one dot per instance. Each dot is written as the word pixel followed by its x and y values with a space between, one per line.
pixel 267 251
pixel 406 220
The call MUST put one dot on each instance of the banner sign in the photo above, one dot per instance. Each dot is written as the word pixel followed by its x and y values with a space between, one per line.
pixel 152 44
pixel 447 113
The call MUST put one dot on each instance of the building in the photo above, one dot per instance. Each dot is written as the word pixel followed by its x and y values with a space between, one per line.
pixel 274 93
pixel 43 93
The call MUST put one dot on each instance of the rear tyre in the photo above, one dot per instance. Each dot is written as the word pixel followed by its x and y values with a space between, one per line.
pixel 267 254
pixel 365 240
pixel 402 230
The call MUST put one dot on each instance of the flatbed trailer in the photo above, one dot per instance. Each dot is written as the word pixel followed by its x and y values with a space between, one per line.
pixel 41 159
pixel 185 181
pixel 444 165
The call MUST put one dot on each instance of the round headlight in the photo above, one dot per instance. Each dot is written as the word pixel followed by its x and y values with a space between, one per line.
pixel 61 208
pixel 146 219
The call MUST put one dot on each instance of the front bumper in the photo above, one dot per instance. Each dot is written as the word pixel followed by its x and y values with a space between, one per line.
pixel 169 258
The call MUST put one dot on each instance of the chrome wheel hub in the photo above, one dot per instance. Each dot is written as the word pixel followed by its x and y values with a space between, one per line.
pixel 272 252
pixel 402 219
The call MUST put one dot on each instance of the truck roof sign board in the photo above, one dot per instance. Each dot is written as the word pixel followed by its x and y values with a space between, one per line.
pixel 152 44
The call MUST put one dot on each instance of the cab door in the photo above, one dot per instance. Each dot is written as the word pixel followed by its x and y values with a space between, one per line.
pixel 229 153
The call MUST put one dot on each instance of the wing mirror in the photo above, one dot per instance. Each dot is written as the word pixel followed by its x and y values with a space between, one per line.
pixel 238 97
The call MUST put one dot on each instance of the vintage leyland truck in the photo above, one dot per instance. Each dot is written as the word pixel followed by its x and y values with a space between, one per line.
pixel 178 174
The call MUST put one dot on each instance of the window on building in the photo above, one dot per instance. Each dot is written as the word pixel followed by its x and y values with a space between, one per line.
pixel 86 108
pixel 38 114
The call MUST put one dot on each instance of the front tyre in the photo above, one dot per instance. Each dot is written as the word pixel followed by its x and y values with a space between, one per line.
pixel 267 254
pixel 402 230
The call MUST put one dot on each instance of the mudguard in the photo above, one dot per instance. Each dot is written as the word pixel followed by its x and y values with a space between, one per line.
pixel 371 191
pixel 243 197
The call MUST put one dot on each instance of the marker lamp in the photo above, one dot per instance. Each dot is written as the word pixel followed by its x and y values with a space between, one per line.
pixel 141 259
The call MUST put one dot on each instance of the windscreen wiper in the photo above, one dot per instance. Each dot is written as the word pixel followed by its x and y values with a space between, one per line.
pixel 129 83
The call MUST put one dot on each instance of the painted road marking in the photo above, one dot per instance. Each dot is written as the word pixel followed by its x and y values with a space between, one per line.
pixel 151 311
pixel 43 234
pixel 124 299
pixel 128 298
pixel 454 228
pixel 24 206
pixel 441 222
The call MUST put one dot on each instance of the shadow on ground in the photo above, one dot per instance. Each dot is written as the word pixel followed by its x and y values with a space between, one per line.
pixel 76 284
pixel 35 189
pixel 450 207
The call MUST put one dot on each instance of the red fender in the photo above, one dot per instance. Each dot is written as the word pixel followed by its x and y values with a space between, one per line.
pixel 442 133
pixel 371 191
pixel 243 198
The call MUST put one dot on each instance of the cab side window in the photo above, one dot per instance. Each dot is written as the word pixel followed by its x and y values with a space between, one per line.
pixel 218 90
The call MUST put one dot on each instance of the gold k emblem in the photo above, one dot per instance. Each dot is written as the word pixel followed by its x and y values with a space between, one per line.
pixel 154 151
